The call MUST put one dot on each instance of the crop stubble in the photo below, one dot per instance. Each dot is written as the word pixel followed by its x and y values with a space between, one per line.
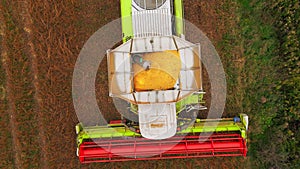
pixel 44 45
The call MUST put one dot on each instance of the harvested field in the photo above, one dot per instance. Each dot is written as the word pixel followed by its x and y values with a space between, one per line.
pixel 40 42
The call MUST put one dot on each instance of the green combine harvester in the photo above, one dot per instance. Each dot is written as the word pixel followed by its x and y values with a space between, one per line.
pixel 157 75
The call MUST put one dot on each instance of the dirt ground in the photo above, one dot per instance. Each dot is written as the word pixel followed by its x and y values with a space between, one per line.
pixel 40 42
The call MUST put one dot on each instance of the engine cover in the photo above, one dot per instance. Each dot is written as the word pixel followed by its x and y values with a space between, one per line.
pixel 157 121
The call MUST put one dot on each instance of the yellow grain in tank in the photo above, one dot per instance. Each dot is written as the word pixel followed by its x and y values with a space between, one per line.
pixel 163 74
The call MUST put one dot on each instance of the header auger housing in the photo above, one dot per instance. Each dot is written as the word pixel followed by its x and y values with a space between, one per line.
pixel 158 74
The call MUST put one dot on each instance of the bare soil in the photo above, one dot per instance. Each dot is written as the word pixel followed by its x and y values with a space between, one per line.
pixel 40 42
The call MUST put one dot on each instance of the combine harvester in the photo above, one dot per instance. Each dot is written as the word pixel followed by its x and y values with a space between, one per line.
pixel 158 73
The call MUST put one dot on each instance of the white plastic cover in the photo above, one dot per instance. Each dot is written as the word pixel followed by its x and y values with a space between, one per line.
pixel 245 120
pixel 157 121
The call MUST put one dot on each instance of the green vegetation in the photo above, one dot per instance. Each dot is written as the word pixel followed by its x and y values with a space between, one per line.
pixel 287 18
pixel 268 75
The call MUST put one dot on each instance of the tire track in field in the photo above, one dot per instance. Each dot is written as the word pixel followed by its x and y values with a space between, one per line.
pixel 20 90
pixel 11 110
pixel 11 105
pixel 6 153
pixel 28 36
